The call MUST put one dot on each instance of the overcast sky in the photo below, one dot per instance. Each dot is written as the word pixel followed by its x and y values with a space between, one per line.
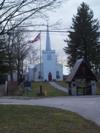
pixel 64 15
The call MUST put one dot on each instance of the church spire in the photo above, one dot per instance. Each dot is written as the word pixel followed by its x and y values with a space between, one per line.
pixel 48 45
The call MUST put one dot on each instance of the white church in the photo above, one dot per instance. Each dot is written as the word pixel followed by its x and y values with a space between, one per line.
pixel 48 69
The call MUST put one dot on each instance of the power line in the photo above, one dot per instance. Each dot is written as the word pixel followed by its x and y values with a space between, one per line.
pixel 41 30
pixel 44 31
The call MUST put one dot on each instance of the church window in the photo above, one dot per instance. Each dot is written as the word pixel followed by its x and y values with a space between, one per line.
pixel 35 69
pixel 57 75
pixel 39 75
pixel 49 57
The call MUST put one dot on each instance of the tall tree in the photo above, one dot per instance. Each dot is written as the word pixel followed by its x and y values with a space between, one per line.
pixel 83 38
pixel 20 50
pixel 10 44
pixel 3 56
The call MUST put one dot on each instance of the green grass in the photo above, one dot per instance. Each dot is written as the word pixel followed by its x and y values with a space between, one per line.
pixel 64 84
pixel 98 91
pixel 47 89
pixel 33 119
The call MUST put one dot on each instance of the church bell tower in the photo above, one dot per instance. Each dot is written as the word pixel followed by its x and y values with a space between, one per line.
pixel 49 60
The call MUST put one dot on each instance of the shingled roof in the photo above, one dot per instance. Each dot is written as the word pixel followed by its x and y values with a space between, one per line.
pixel 76 68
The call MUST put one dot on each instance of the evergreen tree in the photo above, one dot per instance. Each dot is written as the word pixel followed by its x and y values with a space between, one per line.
pixel 3 65
pixel 83 38
pixel 3 56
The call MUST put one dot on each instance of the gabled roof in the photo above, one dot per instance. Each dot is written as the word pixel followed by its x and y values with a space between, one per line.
pixel 76 68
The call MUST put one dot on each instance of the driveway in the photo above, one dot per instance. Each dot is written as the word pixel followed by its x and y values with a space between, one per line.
pixel 86 106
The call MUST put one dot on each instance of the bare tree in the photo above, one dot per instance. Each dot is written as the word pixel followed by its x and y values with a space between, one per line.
pixel 10 53
pixel 16 51
pixel 10 10
pixel 20 51
pixel 33 56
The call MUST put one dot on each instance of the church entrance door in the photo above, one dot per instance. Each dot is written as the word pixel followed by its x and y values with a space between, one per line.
pixel 49 76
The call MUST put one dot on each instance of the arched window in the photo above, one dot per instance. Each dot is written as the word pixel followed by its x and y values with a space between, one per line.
pixel 57 75
pixel 39 75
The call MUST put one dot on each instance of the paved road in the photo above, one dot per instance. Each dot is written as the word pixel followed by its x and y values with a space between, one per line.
pixel 86 106
pixel 59 87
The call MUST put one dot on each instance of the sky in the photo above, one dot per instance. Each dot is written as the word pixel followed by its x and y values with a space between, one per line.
pixel 64 15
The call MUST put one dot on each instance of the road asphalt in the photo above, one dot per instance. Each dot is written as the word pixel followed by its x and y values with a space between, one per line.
pixel 86 106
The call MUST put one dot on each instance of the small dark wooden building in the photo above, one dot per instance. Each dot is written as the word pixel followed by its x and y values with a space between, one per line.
pixel 81 80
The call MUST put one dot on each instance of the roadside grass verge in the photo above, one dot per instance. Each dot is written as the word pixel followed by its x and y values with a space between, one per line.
pixel 36 119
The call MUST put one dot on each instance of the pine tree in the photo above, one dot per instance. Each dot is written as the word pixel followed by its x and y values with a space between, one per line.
pixel 83 38
pixel 3 56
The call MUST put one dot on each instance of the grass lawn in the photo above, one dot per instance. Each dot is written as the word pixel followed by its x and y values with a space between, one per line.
pixel 47 89
pixel 98 91
pixel 65 84
pixel 98 88
pixel 33 119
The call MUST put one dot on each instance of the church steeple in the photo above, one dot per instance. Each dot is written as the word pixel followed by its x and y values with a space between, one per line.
pixel 48 45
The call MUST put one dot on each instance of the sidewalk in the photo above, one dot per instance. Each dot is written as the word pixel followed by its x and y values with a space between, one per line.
pixel 59 87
